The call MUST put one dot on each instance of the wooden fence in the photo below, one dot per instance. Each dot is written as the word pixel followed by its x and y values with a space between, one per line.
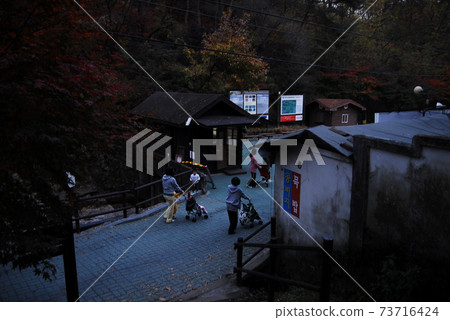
pixel 274 246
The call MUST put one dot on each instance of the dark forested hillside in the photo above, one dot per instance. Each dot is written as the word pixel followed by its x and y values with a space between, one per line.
pixel 67 87
pixel 393 47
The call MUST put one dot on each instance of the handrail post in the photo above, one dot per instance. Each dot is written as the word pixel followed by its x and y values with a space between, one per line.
pixel 152 192
pixel 77 218
pixel 273 227
pixel 326 269
pixel 272 271
pixel 136 200
pixel 124 203
pixel 240 250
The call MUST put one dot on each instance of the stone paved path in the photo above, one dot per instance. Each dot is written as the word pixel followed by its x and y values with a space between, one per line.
pixel 166 262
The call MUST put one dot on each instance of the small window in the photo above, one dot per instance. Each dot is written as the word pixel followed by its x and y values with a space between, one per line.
pixel 344 118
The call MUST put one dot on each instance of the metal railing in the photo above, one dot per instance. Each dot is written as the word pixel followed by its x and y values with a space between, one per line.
pixel 154 188
pixel 274 246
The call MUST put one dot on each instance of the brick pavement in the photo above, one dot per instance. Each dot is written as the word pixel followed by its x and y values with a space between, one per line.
pixel 168 261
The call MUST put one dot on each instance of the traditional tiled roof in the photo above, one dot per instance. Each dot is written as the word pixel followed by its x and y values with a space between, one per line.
pixel 334 104
pixel 174 108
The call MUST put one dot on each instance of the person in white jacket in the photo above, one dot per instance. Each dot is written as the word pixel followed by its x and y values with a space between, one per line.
pixel 195 179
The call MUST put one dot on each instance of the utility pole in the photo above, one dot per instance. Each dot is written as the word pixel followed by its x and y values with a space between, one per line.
pixel 70 263
pixel 278 113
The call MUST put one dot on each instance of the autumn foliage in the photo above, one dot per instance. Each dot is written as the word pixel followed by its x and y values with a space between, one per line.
pixel 216 68
pixel 67 88
pixel 61 111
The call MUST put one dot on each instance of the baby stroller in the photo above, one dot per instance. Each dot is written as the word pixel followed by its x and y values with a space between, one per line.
pixel 248 215
pixel 265 175
pixel 194 210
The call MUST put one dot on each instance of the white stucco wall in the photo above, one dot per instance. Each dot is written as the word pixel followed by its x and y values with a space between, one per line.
pixel 382 160
pixel 408 201
pixel 440 159
pixel 324 200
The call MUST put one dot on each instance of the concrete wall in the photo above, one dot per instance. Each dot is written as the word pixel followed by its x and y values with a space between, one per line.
pixel 324 200
pixel 407 192
pixel 409 203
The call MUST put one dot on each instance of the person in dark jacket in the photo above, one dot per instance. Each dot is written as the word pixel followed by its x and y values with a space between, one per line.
pixel 234 203
pixel 170 186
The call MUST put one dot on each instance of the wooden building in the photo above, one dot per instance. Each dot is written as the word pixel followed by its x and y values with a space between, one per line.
pixel 334 112
pixel 189 116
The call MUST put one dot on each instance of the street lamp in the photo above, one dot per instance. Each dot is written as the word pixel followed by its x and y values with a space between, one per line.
pixel 419 91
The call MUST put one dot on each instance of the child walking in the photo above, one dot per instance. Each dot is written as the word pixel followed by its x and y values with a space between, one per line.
pixel 194 179
pixel 234 203
pixel 254 165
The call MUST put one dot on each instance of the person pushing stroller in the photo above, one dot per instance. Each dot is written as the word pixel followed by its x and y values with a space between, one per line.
pixel 233 202
pixel 170 186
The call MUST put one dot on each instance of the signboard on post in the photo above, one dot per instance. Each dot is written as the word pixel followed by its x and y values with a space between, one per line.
pixel 237 98
pixel 254 102
pixel 291 192
pixel 262 102
pixel 291 108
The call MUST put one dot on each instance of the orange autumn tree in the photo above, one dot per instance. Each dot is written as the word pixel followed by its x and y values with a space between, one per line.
pixel 353 82
pixel 228 60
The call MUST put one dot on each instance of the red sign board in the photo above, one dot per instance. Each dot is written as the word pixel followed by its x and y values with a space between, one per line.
pixel 298 117
pixel 287 118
